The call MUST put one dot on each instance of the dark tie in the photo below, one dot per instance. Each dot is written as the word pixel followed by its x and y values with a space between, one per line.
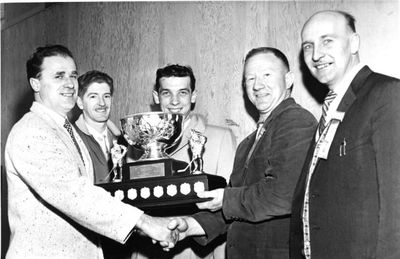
pixel 68 126
pixel 328 99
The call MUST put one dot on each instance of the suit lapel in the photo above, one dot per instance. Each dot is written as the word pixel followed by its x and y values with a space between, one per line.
pixel 348 99
pixel 267 125
pixel 351 94
pixel 61 133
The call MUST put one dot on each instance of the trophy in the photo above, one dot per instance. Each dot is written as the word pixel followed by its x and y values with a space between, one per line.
pixel 153 133
pixel 156 181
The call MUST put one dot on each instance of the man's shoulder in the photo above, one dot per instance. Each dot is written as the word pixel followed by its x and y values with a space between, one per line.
pixel 294 111
pixel 28 122
pixel 28 127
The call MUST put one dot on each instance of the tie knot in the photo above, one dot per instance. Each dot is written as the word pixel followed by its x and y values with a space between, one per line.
pixel 67 125
pixel 330 96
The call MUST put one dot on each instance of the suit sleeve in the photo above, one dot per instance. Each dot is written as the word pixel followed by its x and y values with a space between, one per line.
pixel 386 142
pixel 41 161
pixel 271 196
pixel 213 224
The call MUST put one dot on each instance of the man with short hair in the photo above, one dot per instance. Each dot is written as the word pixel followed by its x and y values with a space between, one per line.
pixel 175 92
pixel 54 209
pixel 254 210
pixel 347 201
pixel 99 134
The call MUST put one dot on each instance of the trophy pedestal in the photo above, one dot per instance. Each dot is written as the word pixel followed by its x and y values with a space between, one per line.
pixel 164 194
pixel 153 168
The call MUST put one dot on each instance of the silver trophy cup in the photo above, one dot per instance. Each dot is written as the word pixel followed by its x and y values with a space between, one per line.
pixel 153 132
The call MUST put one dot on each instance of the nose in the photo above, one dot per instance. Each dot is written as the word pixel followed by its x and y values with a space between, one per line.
pixel 70 82
pixel 317 53
pixel 101 101
pixel 258 84
pixel 174 99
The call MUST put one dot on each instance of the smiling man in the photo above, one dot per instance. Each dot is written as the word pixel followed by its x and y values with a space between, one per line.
pixel 54 209
pixel 254 210
pixel 175 92
pixel 95 97
pixel 346 203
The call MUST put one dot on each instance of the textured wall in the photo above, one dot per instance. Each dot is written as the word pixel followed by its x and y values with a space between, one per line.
pixel 131 40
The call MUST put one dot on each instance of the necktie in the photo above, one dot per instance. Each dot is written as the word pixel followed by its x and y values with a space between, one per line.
pixel 68 126
pixel 259 133
pixel 328 99
pixel 106 149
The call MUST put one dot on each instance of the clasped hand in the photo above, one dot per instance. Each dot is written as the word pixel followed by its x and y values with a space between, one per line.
pixel 166 231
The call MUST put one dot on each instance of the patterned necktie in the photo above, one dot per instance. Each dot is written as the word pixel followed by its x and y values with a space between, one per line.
pixel 68 126
pixel 328 99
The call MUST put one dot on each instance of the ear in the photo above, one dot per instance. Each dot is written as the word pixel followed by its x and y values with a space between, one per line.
pixel 194 96
pixel 79 103
pixel 355 43
pixel 35 84
pixel 289 79
pixel 156 97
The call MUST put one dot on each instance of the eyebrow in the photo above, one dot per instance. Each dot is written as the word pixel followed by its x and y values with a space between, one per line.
pixel 75 73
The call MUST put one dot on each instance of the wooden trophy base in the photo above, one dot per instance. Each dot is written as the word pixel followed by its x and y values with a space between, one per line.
pixel 165 195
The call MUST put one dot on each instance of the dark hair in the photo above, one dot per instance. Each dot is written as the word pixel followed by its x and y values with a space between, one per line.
pixel 35 61
pixel 94 76
pixel 351 21
pixel 276 52
pixel 175 71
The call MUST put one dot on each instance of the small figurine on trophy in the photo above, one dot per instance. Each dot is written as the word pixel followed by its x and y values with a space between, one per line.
pixel 196 143
pixel 117 154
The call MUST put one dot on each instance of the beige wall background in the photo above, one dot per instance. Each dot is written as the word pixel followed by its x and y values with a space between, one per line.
pixel 130 40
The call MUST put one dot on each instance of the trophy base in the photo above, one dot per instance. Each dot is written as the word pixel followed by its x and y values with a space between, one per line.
pixel 165 194
pixel 150 168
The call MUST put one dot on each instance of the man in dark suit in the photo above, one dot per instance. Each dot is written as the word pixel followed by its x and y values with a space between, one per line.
pixel 347 201
pixel 255 209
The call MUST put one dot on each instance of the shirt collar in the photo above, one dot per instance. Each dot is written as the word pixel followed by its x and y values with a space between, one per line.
pixel 95 133
pixel 342 87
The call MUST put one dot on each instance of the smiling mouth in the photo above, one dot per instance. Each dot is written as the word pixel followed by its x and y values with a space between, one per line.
pixel 67 94
pixel 322 66
pixel 174 110
pixel 101 109
pixel 261 95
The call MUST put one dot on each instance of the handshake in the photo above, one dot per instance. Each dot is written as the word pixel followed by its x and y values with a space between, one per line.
pixel 169 230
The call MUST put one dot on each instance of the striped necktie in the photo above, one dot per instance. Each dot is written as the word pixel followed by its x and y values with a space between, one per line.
pixel 328 100
pixel 68 126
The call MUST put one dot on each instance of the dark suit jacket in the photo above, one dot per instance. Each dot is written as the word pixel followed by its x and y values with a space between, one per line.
pixel 355 198
pixel 101 164
pixel 256 207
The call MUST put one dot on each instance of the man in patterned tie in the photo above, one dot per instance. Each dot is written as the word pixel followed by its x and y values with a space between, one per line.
pixel 95 96
pixel 55 210
pixel 347 201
